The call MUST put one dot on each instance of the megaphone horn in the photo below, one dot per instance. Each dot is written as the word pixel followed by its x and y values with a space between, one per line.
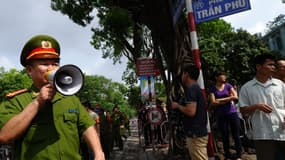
pixel 67 79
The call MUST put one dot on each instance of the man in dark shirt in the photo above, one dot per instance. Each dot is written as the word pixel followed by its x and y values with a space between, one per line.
pixel 195 119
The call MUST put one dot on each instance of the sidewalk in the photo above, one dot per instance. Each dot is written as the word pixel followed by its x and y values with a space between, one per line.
pixel 133 150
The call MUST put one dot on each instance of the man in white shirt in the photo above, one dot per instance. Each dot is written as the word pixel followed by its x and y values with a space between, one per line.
pixel 263 100
pixel 280 70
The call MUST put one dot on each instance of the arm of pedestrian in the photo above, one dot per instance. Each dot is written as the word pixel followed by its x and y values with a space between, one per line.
pixel 252 108
pixel 189 109
pixel 219 101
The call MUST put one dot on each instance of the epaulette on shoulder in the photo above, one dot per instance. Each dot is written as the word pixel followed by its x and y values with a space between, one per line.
pixel 12 94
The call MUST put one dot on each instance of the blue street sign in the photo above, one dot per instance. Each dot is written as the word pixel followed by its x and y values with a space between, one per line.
pixel 205 10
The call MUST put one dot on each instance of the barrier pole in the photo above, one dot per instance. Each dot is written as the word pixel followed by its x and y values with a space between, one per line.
pixel 196 56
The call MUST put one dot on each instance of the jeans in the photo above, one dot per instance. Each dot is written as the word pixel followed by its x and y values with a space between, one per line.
pixel 226 122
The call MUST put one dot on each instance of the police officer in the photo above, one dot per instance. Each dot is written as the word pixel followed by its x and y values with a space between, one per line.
pixel 117 121
pixel 105 129
pixel 44 123
pixel 145 125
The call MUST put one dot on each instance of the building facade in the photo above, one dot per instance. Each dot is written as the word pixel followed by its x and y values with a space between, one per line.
pixel 275 39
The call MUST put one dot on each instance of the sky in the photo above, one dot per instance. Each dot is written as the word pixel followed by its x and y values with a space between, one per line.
pixel 20 20
pixel 255 19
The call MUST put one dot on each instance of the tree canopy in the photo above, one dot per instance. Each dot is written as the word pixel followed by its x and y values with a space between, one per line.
pixel 223 48
pixel 98 89
pixel 277 21
pixel 113 35
pixel 122 28
pixel 123 31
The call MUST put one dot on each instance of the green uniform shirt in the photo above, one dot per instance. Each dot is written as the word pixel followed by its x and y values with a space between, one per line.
pixel 117 119
pixel 55 131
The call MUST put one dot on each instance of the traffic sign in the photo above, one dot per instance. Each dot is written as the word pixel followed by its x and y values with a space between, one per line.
pixel 154 116
pixel 205 10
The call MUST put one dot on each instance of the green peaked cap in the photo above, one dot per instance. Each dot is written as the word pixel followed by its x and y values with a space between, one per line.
pixel 40 47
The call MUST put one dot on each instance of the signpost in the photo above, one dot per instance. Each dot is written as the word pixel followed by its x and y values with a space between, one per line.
pixel 205 10
pixel 146 69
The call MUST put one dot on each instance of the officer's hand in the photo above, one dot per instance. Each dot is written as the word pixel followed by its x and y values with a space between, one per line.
pixel 47 93
pixel 265 108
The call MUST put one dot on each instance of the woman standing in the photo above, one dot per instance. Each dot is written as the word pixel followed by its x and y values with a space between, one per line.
pixel 222 97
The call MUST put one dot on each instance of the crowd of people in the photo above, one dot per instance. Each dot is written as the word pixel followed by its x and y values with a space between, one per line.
pixel 259 104
pixel 261 101
pixel 45 124
pixel 108 125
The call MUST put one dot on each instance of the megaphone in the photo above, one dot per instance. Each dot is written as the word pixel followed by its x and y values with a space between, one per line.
pixel 67 79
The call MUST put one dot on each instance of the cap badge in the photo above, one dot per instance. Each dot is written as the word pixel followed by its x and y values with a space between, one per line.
pixel 46 44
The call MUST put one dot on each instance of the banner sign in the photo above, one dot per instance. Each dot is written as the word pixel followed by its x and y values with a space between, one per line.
pixel 144 87
pixel 147 87
pixel 205 10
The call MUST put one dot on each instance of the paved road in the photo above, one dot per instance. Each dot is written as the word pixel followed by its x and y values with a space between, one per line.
pixel 134 151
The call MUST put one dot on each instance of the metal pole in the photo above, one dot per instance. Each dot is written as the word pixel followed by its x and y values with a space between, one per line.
pixel 196 55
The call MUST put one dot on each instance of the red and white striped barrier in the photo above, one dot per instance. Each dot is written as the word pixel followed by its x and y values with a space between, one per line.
pixel 196 56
